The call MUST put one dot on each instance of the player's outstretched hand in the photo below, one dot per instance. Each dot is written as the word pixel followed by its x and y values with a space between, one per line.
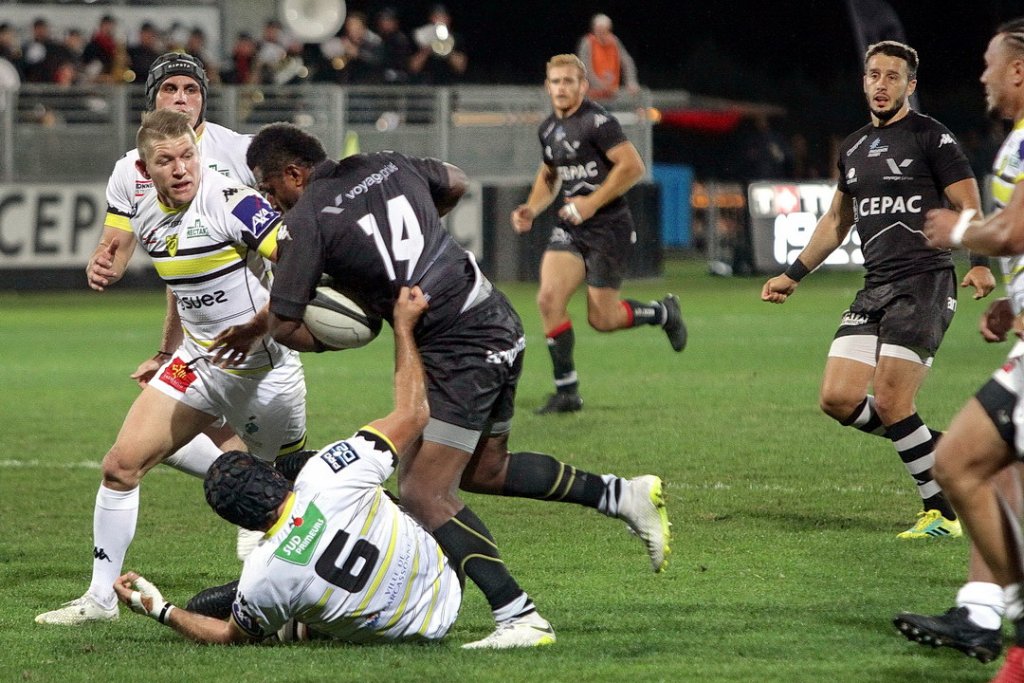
pixel 522 219
pixel 409 306
pixel 145 372
pixel 778 289
pixel 938 227
pixel 231 346
pixel 141 596
pixel 100 270
pixel 997 321
pixel 981 278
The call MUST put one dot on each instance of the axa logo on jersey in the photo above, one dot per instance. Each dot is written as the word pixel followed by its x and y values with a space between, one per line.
pixel 255 213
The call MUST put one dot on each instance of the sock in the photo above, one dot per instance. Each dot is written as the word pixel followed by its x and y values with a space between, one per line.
pixel 984 601
pixel 113 527
pixel 916 447
pixel 539 476
pixel 561 342
pixel 473 552
pixel 865 418
pixel 652 313
pixel 195 457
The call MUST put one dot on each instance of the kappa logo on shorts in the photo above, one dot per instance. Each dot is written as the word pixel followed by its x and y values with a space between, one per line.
pixel 178 375
pixel 852 319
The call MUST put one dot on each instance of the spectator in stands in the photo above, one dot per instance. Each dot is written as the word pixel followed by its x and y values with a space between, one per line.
pixel 196 46
pixel 608 64
pixel 142 54
pixel 105 56
pixel 9 47
pixel 272 52
pixel 354 55
pixel 243 61
pixel 396 50
pixel 40 54
pixel 436 60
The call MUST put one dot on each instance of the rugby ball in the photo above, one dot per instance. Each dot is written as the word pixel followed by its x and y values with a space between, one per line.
pixel 338 322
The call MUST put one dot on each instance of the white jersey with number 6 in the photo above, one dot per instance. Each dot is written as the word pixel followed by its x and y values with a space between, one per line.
pixel 345 559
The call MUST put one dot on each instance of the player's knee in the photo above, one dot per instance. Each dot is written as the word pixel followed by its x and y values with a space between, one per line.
pixel 837 406
pixel 487 472
pixel 120 470
pixel 892 408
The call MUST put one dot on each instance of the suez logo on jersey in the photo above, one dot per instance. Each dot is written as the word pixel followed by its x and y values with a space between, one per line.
pixel 255 213
pixel 786 215
pixel 191 302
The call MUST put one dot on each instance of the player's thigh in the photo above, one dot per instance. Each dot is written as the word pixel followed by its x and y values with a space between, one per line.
pixel 898 378
pixel 848 373
pixel 973 449
pixel 156 425
pixel 561 274
pixel 267 412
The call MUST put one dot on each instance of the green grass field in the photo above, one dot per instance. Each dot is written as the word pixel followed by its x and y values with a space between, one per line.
pixel 785 563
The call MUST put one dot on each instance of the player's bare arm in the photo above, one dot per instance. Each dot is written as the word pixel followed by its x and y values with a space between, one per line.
pixel 406 422
pixel 627 170
pixel 962 195
pixel 458 183
pixel 996 321
pixel 1001 234
pixel 109 259
pixel 169 340
pixel 545 189
pixel 294 334
pixel 829 234
pixel 144 598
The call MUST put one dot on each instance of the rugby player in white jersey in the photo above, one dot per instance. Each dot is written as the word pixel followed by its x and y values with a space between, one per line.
pixel 987 435
pixel 338 552
pixel 176 81
pixel 208 237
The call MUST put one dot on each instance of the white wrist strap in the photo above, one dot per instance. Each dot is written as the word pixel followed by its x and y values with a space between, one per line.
pixel 956 237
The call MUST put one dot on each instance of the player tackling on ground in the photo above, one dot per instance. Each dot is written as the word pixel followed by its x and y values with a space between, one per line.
pixel 891 172
pixel 337 552
pixel 586 156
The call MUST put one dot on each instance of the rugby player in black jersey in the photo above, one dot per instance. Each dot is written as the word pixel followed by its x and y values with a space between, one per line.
pixel 891 172
pixel 586 156
pixel 373 223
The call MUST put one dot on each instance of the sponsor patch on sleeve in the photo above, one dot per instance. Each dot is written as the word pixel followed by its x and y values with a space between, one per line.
pixel 241 612
pixel 339 456
pixel 256 214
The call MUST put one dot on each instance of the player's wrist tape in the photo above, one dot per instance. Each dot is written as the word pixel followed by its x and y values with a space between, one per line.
pixel 161 609
pixel 956 236
pixel 797 271
pixel 979 260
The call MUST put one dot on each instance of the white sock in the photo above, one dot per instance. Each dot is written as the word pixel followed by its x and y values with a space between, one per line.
pixel 985 603
pixel 612 496
pixel 195 457
pixel 1014 606
pixel 113 527
pixel 514 609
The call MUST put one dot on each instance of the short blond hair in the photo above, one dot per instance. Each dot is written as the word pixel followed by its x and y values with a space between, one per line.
pixel 159 125
pixel 567 60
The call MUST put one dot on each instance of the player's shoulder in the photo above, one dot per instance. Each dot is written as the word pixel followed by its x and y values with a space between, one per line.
pixel 856 138
pixel 547 125
pixel 219 132
pixel 126 164
pixel 923 123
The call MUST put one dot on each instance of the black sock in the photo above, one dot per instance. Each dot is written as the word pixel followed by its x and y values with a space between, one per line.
pixel 539 476
pixel 473 552
pixel 915 444
pixel 560 346
pixel 651 313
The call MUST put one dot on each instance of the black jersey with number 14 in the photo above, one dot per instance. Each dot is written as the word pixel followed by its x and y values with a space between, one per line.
pixel 896 174
pixel 370 222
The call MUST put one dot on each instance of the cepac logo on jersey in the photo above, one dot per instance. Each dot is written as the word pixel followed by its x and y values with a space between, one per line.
pixel 300 544
pixel 255 213
pixel 578 171
pixel 880 206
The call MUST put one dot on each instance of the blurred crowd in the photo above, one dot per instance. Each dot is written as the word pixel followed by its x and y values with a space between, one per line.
pixel 365 51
